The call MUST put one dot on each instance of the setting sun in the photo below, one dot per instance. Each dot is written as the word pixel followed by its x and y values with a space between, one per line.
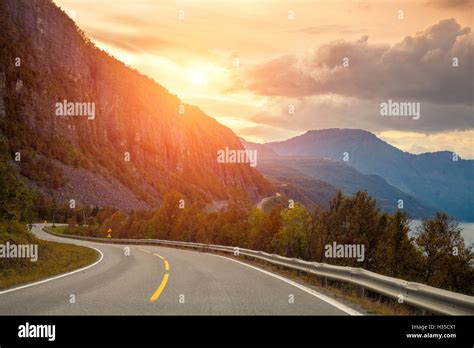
pixel 198 77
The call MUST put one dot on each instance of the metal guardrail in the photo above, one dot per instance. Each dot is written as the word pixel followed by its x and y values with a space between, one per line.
pixel 421 296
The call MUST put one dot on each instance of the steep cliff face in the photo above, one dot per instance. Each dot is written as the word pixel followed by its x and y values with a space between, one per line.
pixel 139 134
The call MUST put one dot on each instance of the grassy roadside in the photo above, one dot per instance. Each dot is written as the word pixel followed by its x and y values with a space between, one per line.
pixel 56 229
pixel 53 258
pixel 65 229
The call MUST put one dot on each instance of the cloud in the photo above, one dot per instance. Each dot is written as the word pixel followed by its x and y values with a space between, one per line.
pixel 328 28
pixel 281 75
pixel 333 111
pixel 459 142
pixel 138 22
pixel 131 42
pixel 448 127
pixel 418 68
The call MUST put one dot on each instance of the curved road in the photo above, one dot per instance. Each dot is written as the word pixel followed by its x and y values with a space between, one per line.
pixel 163 281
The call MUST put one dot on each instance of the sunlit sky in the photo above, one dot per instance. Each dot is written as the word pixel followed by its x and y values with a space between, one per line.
pixel 245 62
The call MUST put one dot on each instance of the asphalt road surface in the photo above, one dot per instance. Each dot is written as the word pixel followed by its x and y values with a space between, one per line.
pixel 164 281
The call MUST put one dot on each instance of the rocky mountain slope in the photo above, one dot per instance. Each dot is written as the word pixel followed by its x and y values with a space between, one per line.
pixel 141 141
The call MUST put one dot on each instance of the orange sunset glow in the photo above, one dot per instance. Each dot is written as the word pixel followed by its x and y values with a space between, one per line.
pixel 230 58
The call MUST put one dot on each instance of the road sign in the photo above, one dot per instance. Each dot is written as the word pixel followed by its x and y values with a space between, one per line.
pixel 109 233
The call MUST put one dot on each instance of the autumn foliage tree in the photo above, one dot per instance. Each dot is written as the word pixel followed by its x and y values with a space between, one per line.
pixel 437 255
pixel 447 262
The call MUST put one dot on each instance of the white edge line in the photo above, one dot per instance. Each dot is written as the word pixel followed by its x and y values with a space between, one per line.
pixel 57 277
pixel 316 294
pixel 322 297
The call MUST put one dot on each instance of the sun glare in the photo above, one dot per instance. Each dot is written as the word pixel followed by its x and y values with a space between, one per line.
pixel 198 77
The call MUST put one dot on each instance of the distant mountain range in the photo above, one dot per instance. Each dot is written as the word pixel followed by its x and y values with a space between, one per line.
pixel 142 141
pixel 353 159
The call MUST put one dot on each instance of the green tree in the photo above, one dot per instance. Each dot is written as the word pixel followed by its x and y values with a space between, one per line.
pixel 16 199
pixel 115 223
pixel 447 261
pixel 167 219
pixel 292 240
pixel 232 226
pixel 257 219
pixel 271 226
pixel 323 233
pixel 401 258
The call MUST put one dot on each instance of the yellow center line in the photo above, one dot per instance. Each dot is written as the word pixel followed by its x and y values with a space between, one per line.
pixel 160 289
